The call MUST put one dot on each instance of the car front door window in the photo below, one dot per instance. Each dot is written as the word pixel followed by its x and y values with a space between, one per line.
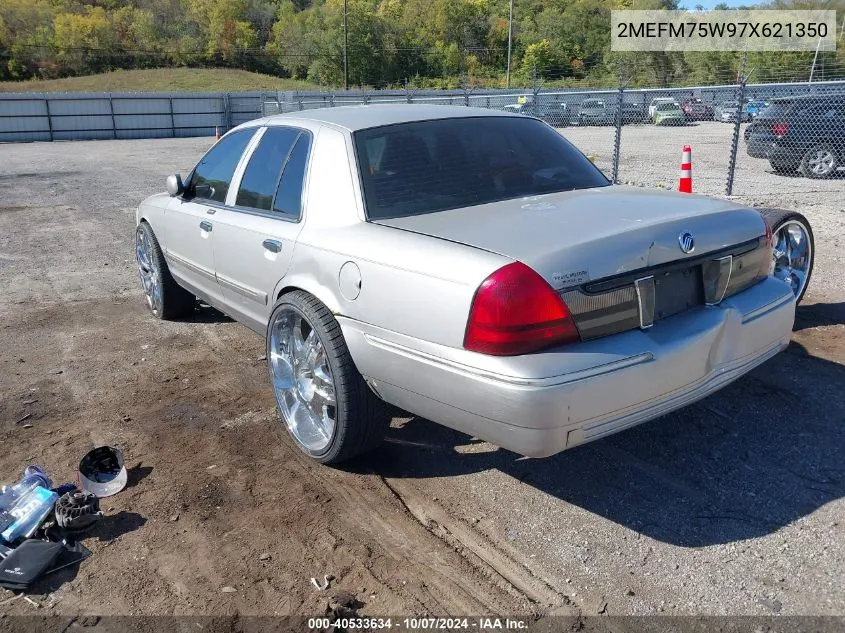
pixel 213 175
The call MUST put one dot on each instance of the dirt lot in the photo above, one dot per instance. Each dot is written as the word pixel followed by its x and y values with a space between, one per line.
pixel 731 506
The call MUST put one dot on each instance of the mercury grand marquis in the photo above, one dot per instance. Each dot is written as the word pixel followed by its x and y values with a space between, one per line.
pixel 469 266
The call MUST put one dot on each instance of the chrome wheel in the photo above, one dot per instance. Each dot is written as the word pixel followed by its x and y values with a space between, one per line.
pixel 793 255
pixel 302 379
pixel 821 161
pixel 148 270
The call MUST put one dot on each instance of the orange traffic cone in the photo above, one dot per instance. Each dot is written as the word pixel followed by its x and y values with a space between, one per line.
pixel 685 183
pixel 216 133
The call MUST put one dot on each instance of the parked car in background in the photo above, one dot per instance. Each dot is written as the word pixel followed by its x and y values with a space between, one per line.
pixel 555 114
pixel 697 110
pixel 805 134
pixel 594 112
pixel 631 112
pixel 669 114
pixel 652 108
pixel 469 266
pixel 729 111
pixel 755 107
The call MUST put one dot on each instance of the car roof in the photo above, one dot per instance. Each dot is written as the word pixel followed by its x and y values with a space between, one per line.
pixel 362 117
pixel 817 97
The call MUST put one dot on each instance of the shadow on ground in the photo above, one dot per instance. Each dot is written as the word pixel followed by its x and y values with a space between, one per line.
pixel 819 314
pixel 758 455
pixel 206 314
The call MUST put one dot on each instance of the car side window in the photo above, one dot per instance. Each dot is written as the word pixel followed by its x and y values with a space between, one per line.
pixel 261 177
pixel 829 111
pixel 213 175
pixel 288 199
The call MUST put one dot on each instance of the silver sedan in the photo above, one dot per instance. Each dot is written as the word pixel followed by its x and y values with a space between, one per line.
pixel 469 266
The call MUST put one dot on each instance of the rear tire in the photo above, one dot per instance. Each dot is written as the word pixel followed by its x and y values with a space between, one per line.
pixel 165 298
pixel 308 360
pixel 820 161
pixel 795 249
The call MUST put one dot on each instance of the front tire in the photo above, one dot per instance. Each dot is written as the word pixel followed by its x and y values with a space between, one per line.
pixel 794 249
pixel 165 298
pixel 328 409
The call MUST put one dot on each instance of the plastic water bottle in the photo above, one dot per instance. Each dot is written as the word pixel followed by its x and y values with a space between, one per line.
pixel 33 476
pixel 25 504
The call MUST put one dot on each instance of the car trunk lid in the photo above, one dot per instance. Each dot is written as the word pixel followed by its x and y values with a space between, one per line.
pixel 572 238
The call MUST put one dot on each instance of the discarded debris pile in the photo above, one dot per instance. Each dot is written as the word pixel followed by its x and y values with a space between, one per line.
pixel 41 526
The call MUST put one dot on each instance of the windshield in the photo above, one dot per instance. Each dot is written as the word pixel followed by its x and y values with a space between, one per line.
pixel 428 166
pixel 667 106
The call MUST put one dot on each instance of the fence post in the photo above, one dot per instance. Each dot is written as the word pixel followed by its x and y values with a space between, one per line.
pixel 466 90
pixel 535 89
pixel 111 111
pixel 617 138
pixel 172 119
pixel 729 186
pixel 49 117
pixel 227 107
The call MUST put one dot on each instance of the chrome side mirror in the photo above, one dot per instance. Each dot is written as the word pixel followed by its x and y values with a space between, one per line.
pixel 174 185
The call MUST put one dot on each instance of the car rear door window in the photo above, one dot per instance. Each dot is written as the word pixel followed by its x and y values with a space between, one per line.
pixel 261 176
pixel 213 175
pixel 288 200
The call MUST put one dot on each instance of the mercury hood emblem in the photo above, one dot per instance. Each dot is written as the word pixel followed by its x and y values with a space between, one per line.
pixel 687 242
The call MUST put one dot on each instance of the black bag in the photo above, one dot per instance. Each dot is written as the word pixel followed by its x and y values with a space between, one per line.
pixel 27 562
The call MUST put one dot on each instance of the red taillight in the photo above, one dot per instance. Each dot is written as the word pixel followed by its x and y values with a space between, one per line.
pixel 515 311
pixel 768 229
pixel 780 129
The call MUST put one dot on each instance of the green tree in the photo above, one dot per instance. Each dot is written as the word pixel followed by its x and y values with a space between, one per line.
pixel 225 30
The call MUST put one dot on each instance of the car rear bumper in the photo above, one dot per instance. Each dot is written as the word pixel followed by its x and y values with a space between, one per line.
pixel 541 404
pixel 760 146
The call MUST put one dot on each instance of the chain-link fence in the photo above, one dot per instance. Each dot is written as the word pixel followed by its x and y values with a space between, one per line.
pixel 745 138
pixel 741 134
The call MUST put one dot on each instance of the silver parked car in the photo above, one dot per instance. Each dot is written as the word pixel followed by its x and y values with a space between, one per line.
pixel 469 266
pixel 728 112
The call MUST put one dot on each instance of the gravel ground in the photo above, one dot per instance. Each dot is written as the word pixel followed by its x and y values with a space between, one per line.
pixel 731 506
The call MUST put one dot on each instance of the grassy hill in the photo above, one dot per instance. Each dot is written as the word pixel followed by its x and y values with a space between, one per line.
pixel 161 80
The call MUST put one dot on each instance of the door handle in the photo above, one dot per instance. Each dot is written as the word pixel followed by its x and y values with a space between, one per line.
pixel 206 226
pixel 274 246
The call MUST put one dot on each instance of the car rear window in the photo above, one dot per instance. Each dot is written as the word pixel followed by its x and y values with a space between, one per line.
pixel 777 109
pixel 428 166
